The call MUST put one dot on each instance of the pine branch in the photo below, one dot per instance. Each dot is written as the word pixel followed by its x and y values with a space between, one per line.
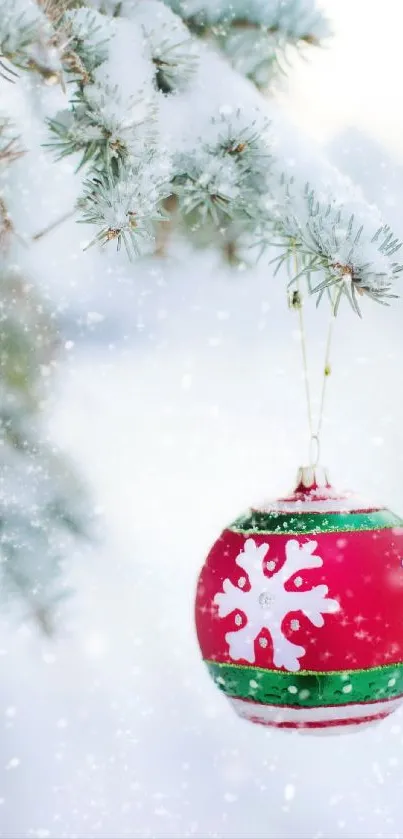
pixel 27 40
pixel 87 35
pixel 10 151
pixel 125 206
pixel 221 178
pixel 6 225
pixel 174 53
pixel 7 72
pixel 102 128
pixel 42 508
pixel 256 35
pixel 334 244
pixel 10 148
pixel 53 225
pixel 230 180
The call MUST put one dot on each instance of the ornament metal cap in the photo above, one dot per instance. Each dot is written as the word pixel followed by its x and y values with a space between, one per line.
pixel 311 478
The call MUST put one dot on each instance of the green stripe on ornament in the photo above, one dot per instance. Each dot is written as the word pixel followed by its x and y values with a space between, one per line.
pixel 256 521
pixel 308 688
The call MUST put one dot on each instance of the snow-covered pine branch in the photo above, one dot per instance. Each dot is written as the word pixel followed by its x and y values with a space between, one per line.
pixel 163 113
pixel 255 35
pixel 221 176
pixel 173 51
pixel 242 164
pixel 10 150
pixel 27 38
pixel 112 124
pixel 353 258
pixel 125 203
pixel 154 111
pixel 41 502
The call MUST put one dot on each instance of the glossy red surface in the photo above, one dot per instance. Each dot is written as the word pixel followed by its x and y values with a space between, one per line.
pixel 363 572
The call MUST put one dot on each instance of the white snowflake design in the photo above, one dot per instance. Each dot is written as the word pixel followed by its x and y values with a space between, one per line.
pixel 267 602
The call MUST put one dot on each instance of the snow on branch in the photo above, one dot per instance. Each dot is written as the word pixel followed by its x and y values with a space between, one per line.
pixel 159 112
pixel 353 257
pixel 27 39
pixel 125 208
pixel 88 34
pixel 281 189
pixel 255 35
pixel 42 508
pixel 174 53
pixel 112 126
pixel 10 150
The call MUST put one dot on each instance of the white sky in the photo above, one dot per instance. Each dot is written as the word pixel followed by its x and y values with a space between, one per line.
pixel 357 79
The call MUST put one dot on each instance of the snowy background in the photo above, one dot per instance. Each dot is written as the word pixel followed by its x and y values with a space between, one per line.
pixel 180 398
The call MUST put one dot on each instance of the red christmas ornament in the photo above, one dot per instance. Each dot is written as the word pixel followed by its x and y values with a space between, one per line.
pixel 299 610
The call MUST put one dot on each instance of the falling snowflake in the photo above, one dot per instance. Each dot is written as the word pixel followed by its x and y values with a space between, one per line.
pixel 268 602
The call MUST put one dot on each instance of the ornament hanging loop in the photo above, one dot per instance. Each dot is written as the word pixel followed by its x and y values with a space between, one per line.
pixel 314 450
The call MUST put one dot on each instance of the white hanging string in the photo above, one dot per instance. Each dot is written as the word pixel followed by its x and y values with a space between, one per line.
pixel 314 443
